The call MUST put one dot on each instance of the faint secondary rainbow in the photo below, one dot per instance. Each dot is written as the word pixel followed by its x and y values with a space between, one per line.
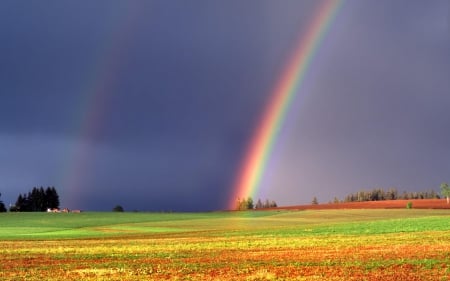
pixel 94 104
pixel 262 142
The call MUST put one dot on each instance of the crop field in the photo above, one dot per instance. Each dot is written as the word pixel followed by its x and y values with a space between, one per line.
pixel 257 245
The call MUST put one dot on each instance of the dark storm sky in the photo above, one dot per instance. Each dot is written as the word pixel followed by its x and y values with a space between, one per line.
pixel 151 104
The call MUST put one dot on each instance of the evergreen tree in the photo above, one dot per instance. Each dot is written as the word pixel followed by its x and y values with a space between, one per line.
pixel 33 198
pixel 259 204
pixel 52 198
pixel 19 203
pixel 40 204
pixel 2 206
pixel 37 200
pixel 23 203
pixel 249 204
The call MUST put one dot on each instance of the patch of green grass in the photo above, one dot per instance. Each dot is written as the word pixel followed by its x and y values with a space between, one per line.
pixel 263 223
pixel 89 224
pixel 387 226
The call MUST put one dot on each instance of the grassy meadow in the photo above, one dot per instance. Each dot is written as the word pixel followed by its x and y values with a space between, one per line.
pixel 256 245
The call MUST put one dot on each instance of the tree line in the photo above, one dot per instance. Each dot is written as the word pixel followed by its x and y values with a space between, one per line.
pixel 379 194
pixel 37 200
pixel 248 204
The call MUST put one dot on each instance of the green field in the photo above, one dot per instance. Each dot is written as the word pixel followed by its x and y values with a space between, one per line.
pixel 258 245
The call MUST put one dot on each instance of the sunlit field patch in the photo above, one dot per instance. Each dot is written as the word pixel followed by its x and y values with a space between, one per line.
pixel 272 245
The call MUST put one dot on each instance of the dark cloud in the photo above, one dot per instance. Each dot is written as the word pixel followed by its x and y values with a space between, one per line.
pixel 151 104
pixel 375 114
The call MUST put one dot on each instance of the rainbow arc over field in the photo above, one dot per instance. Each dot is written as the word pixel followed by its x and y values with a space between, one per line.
pixel 94 102
pixel 257 156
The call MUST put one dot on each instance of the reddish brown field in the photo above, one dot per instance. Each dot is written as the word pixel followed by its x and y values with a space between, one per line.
pixel 387 204
pixel 333 245
pixel 163 258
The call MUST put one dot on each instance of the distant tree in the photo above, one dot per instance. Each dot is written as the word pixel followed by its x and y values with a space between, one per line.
pixel 244 204
pixel 33 197
pixel 361 196
pixel 37 200
pixel 335 200
pixel 315 201
pixel 392 194
pixel 23 203
pixel 2 206
pixel 241 204
pixel 349 198
pixel 250 205
pixel 433 195
pixel 19 203
pixel 405 195
pixel 118 208
pixel 259 204
pixel 51 198
pixel 445 191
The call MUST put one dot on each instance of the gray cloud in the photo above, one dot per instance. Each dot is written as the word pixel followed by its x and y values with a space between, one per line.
pixel 184 85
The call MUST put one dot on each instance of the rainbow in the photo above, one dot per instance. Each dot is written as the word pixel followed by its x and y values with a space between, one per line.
pixel 94 102
pixel 255 162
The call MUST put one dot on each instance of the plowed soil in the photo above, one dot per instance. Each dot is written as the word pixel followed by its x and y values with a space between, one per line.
pixel 387 204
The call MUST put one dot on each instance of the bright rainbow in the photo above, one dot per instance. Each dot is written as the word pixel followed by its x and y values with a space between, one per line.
pixel 261 145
